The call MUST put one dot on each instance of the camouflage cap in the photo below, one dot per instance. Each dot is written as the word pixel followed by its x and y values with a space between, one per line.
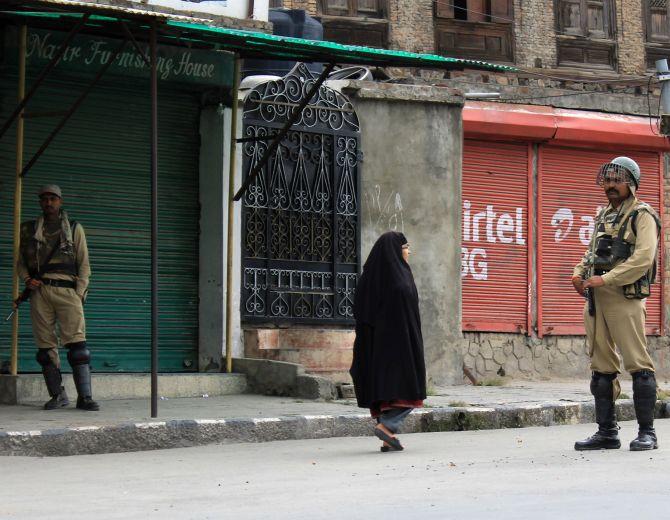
pixel 50 188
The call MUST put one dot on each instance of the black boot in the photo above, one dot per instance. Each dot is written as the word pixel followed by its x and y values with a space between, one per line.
pixel 53 380
pixel 644 399
pixel 82 380
pixel 58 400
pixel 79 357
pixel 607 436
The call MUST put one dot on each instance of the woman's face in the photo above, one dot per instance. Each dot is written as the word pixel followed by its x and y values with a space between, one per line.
pixel 406 252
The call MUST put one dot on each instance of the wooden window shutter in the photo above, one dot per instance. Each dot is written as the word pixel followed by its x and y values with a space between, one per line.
pixel 444 8
pixel 477 11
pixel 501 11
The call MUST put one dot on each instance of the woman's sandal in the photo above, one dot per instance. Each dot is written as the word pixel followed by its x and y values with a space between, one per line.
pixel 393 442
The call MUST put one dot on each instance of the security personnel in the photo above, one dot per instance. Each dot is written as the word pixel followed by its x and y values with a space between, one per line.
pixel 617 271
pixel 53 262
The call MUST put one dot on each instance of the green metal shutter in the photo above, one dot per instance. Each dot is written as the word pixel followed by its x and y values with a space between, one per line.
pixel 101 161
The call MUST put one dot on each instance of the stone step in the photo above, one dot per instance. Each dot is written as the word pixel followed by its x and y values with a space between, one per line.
pixel 26 388
pixel 323 352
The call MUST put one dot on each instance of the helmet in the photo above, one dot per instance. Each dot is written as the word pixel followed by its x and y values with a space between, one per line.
pixel 619 165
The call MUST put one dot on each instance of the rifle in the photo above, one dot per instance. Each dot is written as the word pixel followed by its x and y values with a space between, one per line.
pixel 588 293
pixel 25 294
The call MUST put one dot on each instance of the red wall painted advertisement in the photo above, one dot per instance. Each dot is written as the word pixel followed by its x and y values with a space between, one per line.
pixel 568 201
pixel 494 268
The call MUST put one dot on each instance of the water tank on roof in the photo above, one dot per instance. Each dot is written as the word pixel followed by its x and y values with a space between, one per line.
pixel 287 22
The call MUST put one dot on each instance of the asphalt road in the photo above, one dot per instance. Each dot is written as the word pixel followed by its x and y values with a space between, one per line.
pixel 502 474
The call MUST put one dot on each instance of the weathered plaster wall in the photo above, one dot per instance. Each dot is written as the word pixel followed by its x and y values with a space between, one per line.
pixel 411 182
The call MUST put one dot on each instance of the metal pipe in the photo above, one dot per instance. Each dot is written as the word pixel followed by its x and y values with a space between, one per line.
pixel 481 95
pixel 139 50
pixel 154 224
pixel 73 109
pixel 287 126
pixel 664 78
pixel 45 72
pixel 18 195
pixel 231 218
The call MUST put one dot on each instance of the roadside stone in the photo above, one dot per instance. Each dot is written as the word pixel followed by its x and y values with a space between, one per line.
pixel 499 356
pixel 519 350
pixel 485 350
pixel 564 345
pixel 525 365
pixel 508 348
pixel 479 365
pixel 523 416
pixel 541 364
pixel 491 366
pixel 469 360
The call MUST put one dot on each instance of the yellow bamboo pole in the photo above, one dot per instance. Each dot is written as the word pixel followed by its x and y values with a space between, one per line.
pixel 231 217
pixel 18 195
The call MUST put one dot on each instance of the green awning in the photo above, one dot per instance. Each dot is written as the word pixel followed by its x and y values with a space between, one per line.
pixel 176 31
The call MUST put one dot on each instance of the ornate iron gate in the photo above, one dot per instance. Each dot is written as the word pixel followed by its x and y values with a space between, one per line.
pixel 300 226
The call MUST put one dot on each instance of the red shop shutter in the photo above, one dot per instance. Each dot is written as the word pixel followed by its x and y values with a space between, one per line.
pixel 495 236
pixel 568 202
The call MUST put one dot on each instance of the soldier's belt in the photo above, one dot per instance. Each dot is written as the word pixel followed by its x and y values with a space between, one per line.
pixel 60 283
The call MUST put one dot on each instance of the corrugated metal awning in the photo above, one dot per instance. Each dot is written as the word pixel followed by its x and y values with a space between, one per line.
pixel 182 30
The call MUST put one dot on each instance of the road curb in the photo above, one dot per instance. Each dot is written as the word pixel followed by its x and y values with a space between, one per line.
pixel 128 437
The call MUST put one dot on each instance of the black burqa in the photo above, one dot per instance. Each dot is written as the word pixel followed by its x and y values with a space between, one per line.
pixel 388 359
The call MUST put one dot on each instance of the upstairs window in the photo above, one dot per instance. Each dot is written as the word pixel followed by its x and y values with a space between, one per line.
pixel 359 8
pixel 476 29
pixel 585 36
pixel 492 11
pixel 355 22
pixel 588 18
pixel 657 30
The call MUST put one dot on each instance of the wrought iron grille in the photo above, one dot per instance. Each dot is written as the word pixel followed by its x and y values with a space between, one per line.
pixel 300 227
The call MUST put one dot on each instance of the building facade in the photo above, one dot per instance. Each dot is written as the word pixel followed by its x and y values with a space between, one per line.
pixel 584 93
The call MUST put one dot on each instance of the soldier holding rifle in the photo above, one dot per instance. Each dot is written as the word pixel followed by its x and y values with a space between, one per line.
pixel 616 274
pixel 53 263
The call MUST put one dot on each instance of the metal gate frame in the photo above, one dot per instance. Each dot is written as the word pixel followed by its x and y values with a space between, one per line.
pixel 301 213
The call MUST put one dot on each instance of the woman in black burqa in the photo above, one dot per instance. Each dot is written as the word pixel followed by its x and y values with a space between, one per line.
pixel 388 368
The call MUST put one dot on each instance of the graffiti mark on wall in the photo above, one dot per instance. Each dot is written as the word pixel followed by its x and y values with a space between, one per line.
pixel 384 211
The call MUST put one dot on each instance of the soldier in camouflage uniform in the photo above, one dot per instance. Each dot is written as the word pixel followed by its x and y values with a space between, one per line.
pixel 53 263
pixel 618 271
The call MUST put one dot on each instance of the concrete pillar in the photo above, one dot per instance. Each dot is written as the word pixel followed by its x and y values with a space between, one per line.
pixel 411 139
pixel 214 197
pixel 211 311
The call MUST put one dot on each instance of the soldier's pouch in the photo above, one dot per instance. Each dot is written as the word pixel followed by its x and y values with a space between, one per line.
pixel 638 290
